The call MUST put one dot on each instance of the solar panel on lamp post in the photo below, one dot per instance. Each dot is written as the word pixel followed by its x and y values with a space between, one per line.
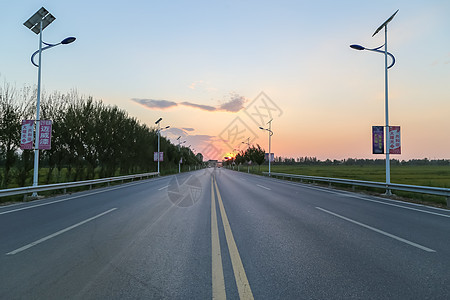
pixel 37 23
pixel 386 67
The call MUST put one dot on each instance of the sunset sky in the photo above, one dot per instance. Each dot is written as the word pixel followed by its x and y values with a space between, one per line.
pixel 217 70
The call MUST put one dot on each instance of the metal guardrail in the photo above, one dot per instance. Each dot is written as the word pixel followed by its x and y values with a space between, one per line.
pixel 444 192
pixel 66 185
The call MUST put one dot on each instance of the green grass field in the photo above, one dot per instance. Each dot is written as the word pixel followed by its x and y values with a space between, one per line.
pixel 438 176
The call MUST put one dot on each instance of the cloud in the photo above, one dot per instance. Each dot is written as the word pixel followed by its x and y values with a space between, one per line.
pixel 174 132
pixel 194 84
pixel 200 106
pixel 235 104
pixel 188 129
pixel 155 104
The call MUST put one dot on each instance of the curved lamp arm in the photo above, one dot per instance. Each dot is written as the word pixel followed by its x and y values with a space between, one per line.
pixel 270 131
pixel 63 42
pixel 359 47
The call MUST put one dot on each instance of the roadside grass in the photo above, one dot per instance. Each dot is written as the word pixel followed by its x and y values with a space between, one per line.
pixel 431 175
pixel 65 176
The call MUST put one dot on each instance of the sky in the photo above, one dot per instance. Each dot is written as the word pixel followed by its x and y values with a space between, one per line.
pixel 216 71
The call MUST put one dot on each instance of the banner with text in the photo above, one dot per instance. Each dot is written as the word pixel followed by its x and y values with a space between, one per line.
pixel 378 139
pixel 155 156
pixel 45 135
pixel 26 136
pixel 394 140
pixel 272 157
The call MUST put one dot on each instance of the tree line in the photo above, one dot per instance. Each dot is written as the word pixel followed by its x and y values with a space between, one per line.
pixel 253 154
pixel 89 140
pixel 358 161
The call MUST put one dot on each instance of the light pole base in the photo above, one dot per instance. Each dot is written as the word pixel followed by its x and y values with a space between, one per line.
pixel 32 197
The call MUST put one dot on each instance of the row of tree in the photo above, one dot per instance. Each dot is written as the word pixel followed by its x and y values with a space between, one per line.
pixel 89 139
pixel 355 161
pixel 254 154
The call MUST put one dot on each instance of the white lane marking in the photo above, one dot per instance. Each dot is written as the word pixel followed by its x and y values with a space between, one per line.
pixel 378 230
pixel 264 187
pixel 75 197
pixel 58 233
pixel 376 201
pixel 396 205
pixel 164 187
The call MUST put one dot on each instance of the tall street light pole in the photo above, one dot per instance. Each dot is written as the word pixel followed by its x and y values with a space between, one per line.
pixel 270 136
pixel 37 23
pixel 248 142
pixel 179 149
pixel 386 105
pixel 159 137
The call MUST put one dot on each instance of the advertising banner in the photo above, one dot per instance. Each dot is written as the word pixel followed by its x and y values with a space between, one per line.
pixel 155 156
pixel 394 140
pixel 378 139
pixel 272 157
pixel 45 135
pixel 26 135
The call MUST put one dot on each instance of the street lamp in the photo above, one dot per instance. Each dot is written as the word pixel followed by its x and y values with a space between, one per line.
pixel 37 23
pixel 179 149
pixel 386 67
pixel 248 142
pixel 270 136
pixel 159 136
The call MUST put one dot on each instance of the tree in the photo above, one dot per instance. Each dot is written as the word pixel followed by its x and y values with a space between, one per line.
pixel 240 158
pixel 14 107
pixel 256 154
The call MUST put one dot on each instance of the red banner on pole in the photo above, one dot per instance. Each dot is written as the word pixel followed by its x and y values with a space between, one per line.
pixel 394 140
pixel 45 135
pixel 26 135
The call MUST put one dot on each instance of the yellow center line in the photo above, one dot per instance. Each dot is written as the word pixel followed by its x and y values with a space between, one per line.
pixel 243 286
pixel 218 283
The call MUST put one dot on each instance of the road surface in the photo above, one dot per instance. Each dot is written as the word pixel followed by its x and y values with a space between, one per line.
pixel 216 233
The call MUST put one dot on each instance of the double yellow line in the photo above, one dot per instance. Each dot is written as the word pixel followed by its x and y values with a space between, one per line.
pixel 218 282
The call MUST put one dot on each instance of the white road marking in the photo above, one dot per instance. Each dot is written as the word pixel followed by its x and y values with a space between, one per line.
pixel 378 230
pixel 164 187
pixel 323 189
pixel 75 197
pixel 58 233
pixel 264 187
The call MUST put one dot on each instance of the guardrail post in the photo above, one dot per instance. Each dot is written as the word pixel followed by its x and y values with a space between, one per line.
pixel 65 191
pixel 353 188
pixel 329 183
pixel 448 201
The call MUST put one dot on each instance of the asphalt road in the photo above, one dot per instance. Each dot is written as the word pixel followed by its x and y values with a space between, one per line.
pixel 222 234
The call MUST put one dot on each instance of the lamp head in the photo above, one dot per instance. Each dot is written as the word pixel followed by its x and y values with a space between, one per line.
pixel 159 120
pixel 357 47
pixel 68 40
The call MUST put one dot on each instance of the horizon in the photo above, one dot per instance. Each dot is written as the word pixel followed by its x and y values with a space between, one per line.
pixel 216 72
